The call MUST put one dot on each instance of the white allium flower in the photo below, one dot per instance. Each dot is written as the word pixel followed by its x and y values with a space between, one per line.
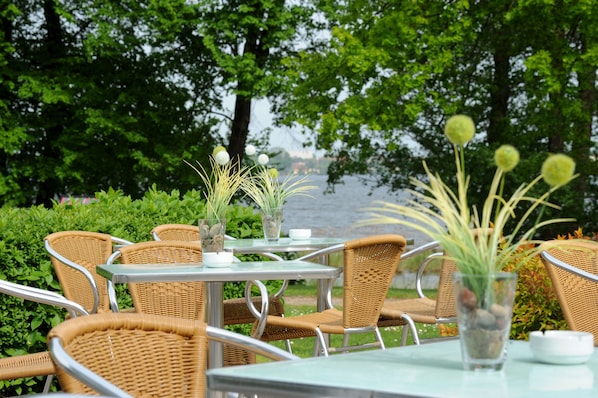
pixel 250 150
pixel 263 159
pixel 222 158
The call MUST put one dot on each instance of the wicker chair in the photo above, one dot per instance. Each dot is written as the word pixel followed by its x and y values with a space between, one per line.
pixel 180 299
pixel 74 256
pixel 407 312
pixel 369 265
pixel 40 363
pixel 140 355
pixel 235 310
pixel 190 233
pixel 176 232
pixel 573 269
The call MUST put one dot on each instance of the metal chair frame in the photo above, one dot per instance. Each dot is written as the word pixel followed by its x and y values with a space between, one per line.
pixel 347 321
pixel 59 260
pixel 35 364
pixel 148 324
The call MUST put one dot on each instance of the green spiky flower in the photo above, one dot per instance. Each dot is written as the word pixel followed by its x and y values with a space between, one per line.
pixel 459 129
pixel 269 193
pixel 558 169
pixel 506 158
pixel 443 214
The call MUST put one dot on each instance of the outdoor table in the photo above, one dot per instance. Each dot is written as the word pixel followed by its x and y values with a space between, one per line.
pixel 286 245
pixel 215 278
pixel 428 370
pixel 282 245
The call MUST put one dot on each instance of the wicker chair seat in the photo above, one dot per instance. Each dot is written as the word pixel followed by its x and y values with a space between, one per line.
pixel 29 365
pixel 236 310
pixel 39 363
pixel 421 310
pixel 329 321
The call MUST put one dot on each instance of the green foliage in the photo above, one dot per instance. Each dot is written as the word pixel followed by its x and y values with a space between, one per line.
pixel 85 105
pixel 375 91
pixel 536 306
pixel 23 259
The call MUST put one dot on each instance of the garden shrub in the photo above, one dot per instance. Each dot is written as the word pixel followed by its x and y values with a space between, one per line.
pixel 23 259
pixel 536 305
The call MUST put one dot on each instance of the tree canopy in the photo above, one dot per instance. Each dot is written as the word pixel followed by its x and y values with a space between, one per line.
pixel 99 94
pixel 376 93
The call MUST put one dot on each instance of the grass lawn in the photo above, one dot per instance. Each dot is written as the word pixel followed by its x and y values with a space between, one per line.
pixel 391 335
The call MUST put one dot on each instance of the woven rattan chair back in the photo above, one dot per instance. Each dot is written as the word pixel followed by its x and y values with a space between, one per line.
pixel 445 298
pixel 369 267
pixel 144 355
pixel 176 232
pixel 179 299
pixel 235 310
pixel 577 295
pixel 408 312
pixel 38 363
pixel 140 355
pixel 74 256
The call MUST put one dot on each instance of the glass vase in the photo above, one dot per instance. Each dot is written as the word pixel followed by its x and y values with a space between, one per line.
pixel 212 233
pixel 271 223
pixel 484 311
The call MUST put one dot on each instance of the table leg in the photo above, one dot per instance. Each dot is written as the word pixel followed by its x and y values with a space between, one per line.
pixel 215 318
pixel 215 313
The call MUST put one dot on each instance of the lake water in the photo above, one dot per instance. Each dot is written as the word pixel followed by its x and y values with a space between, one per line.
pixel 334 215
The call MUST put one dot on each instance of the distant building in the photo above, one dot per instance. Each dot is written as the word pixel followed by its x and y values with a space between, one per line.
pixel 300 168
pixel 302 154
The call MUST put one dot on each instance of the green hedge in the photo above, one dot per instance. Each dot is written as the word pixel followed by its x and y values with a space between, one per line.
pixel 23 259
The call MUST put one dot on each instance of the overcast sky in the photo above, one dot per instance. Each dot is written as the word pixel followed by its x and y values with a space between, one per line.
pixel 261 118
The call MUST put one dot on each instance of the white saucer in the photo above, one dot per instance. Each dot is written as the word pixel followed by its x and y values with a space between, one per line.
pixel 217 259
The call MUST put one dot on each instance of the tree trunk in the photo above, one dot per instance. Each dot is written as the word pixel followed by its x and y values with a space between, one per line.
pixel 240 128
pixel 245 91
pixel 49 185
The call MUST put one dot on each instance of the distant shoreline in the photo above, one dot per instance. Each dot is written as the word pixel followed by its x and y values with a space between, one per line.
pixel 334 215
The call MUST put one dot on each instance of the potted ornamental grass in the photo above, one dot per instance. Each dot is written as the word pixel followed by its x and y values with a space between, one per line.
pixel 269 193
pixel 221 181
pixel 477 239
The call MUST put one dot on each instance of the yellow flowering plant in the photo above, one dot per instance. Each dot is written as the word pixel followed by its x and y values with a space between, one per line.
pixel 444 214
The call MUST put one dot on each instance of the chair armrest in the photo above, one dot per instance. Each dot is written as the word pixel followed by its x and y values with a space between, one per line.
pixel 62 359
pixel 422 267
pixel 83 270
pixel 420 273
pixel 119 242
pixel 248 343
pixel 262 314
pixel 322 252
pixel 568 267
pixel 42 296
